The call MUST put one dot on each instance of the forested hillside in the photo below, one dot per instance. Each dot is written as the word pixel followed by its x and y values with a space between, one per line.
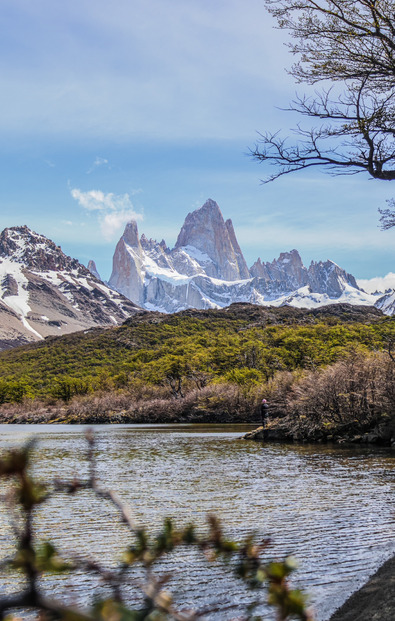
pixel 333 363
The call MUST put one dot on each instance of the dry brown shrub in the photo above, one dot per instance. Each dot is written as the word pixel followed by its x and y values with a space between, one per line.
pixel 358 391
pixel 147 404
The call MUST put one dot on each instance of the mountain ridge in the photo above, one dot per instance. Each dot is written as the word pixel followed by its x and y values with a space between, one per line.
pixel 206 269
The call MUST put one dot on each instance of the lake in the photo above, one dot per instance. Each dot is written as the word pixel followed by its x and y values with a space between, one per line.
pixel 331 507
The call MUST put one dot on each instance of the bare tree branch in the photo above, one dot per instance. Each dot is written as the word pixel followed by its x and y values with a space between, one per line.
pixel 351 42
pixel 387 218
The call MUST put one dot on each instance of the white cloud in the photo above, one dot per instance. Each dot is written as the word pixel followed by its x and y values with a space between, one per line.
pixel 113 222
pixel 379 283
pixel 114 211
pixel 99 161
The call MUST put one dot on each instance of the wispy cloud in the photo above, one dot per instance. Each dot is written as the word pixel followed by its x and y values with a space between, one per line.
pixel 379 283
pixel 99 161
pixel 114 211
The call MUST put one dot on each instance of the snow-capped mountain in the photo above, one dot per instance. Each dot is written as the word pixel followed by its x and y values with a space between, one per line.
pixel 386 303
pixel 206 269
pixel 43 292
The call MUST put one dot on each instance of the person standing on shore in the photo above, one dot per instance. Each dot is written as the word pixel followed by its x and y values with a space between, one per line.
pixel 264 412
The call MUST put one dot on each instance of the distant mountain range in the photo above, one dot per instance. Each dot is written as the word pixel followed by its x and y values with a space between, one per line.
pixel 206 269
pixel 43 292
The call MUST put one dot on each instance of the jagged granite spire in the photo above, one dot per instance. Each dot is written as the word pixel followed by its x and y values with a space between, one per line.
pixel 215 241
pixel 127 275
pixel 93 269
pixel 288 268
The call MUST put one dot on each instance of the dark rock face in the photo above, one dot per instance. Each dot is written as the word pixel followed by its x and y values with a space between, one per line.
pixel 9 286
pixel 329 278
pixel 34 250
pixel 374 601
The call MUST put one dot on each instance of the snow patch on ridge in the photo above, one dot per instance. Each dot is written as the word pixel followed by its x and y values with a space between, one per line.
pixel 201 257
pixel 154 270
pixel 305 298
pixel 19 302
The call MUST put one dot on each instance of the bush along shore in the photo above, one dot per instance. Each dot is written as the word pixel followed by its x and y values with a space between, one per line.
pixel 211 404
pixel 352 401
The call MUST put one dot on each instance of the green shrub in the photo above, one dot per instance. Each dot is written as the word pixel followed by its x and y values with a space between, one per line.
pixel 65 387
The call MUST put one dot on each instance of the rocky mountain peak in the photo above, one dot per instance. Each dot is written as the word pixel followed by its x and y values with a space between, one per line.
pixel 242 265
pixel 131 234
pixel 219 253
pixel 288 268
pixel 206 269
pixel 211 208
pixel 328 277
pixel 207 220
pixel 292 256
pixel 93 269
pixel 43 292
pixel 34 251
pixel 127 274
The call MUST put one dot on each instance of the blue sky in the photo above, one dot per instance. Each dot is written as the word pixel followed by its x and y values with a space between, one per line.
pixel 148 107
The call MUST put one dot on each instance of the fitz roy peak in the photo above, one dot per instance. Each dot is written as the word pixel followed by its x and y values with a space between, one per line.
pixel 43 292
pixel 206 269
pixel 218 254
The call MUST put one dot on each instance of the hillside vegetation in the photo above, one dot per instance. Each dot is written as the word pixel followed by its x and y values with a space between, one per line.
pixel 196 364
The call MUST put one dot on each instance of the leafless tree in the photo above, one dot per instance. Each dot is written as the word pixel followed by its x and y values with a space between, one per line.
pixel 350 43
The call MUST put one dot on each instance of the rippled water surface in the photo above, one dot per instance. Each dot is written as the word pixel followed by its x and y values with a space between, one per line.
pixel 333 508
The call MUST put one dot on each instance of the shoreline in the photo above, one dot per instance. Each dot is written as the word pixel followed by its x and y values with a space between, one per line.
pixel 374 601
pixel 274 433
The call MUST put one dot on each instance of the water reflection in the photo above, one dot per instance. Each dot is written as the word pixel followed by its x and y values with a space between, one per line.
pixel 331 507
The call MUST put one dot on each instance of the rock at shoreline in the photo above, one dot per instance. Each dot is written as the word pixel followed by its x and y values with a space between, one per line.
pixel 382 434
pixel 272 432
pixel 255 434
pixel 375 601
